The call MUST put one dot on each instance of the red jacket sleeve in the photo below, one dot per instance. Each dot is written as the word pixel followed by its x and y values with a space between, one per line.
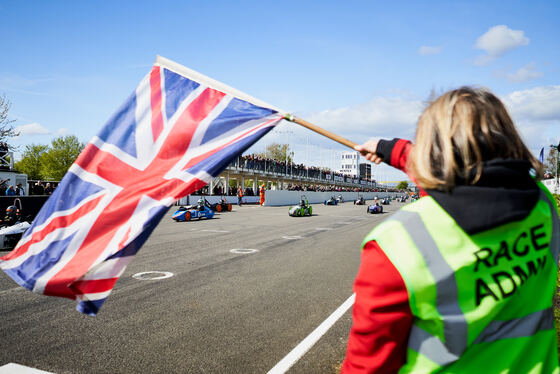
pixel 381 317
pixel 395 153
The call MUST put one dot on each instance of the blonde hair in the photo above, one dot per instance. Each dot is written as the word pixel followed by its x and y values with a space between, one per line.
pixel 457 133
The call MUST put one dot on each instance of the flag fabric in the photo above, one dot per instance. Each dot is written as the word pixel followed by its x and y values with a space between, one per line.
pixel 541 155
pixel 171 137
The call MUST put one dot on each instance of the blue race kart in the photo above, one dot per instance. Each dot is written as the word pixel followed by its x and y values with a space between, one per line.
pixel 188 213
pixel 375 209
pixel 331 201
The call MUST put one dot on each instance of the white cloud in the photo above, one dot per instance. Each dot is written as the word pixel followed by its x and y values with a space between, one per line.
pixel 427 50
pixel 396 116
pixel 497 41
pixel 536 114
pixel 381 116
pixel 32 129
pixel 523 74
pixel 62 131
pixel 535 104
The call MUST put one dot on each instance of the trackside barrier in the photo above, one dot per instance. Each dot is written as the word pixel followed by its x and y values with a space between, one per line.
pixel 284 197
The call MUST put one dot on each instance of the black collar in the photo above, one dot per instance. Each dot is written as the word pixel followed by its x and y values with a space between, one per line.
pixel 505 193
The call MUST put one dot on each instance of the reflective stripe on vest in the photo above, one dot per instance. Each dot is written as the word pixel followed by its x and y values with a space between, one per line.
pixel 455 325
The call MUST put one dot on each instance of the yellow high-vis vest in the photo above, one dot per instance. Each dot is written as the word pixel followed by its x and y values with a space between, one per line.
pixel 482 303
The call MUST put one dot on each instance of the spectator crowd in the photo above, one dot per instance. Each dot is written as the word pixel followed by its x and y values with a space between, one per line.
pixel 258 163
pixel 264 164
pixel 37 188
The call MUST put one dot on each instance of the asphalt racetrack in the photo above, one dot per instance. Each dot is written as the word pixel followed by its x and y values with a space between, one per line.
pixel 219 312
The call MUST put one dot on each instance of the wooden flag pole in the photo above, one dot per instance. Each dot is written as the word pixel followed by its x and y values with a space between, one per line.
pixel 319 130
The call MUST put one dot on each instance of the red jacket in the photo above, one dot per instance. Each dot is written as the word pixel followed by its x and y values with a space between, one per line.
pixel 381 314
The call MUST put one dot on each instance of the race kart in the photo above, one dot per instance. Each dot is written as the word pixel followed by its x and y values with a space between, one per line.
pixel 375 209
pixel 386 201
pixel 340 199
pixel 331 201
pixel 220 206
pixel 12 226
pixel 186 213
pixel 360 200
pixel 303 209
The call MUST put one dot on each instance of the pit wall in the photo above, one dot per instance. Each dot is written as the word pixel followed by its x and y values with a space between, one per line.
pixel 283 197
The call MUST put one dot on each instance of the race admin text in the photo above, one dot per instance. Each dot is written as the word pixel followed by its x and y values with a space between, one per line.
pixel 510 278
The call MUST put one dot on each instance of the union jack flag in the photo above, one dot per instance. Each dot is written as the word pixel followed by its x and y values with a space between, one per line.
pixel 170 138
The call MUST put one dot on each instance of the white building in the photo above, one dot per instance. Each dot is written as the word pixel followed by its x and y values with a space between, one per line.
pixel 349 163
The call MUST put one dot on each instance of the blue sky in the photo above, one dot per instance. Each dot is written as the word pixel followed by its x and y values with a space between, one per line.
pixel 360 69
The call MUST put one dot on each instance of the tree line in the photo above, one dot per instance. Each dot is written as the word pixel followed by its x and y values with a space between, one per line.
pixel 39 161
pixel 49 162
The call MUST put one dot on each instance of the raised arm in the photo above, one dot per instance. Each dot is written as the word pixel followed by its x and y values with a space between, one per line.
pixel 393 152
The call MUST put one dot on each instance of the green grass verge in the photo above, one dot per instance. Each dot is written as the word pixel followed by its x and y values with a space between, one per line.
pixel 557 298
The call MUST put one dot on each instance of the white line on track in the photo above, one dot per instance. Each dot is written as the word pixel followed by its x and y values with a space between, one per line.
pixel 243 251
pixel 323 228
pixel 294 237
pixel 152 275
pixel 12 368
pixel 306 344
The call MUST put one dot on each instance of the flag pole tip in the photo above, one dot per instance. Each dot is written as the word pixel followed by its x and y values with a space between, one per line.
pixel 289 117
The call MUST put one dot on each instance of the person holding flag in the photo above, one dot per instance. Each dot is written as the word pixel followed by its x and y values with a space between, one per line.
pixel 462 280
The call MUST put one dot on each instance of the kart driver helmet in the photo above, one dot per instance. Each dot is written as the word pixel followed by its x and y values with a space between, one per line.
pixel 200 203
pixel 11 213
